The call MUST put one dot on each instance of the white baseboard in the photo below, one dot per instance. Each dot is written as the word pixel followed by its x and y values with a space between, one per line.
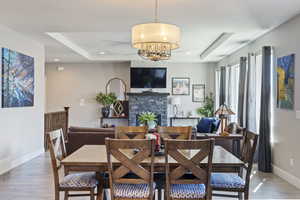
pixel 10 164
pixel 286 176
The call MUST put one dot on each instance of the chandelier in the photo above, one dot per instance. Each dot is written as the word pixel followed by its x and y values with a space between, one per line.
pixel 155 41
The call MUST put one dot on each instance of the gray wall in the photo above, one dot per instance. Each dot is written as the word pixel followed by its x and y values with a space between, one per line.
pixel 77 85
pixel 22 129
pixel 285 135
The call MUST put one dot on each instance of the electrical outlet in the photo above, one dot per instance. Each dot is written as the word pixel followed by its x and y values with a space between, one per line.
pixel 292 162
pixel 297 114
pixel 82 102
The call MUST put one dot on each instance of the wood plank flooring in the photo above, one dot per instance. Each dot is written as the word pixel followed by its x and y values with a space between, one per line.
pixel 34 181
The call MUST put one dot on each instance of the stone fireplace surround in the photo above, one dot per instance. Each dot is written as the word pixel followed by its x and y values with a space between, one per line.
pixel 148 102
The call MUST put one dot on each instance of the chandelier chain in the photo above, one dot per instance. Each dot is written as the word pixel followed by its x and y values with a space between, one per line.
pixel 156 11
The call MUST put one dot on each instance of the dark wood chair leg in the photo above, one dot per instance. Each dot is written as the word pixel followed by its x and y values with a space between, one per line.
pixel 66 195
pixel 92 192
pixel 246 195
pixel 56 194
pixel 100 192
pixel 240 195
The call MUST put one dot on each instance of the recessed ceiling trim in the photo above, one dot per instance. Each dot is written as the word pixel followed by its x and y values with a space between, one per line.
pixel 68 43
pixel 215 44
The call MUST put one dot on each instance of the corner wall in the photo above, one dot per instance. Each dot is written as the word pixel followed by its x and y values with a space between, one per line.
pixel 22 129
pixel 285 135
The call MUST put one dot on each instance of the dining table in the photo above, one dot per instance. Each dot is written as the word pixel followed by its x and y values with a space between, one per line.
pixel 94 158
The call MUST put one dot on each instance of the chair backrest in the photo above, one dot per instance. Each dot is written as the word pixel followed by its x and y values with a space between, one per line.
pixel 248 151
pixel 175 132
pixel 57 150
pixel 190 156
pixel 121 150
pixel 130 132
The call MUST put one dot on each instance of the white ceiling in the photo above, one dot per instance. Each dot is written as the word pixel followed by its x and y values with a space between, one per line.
pixel 93 26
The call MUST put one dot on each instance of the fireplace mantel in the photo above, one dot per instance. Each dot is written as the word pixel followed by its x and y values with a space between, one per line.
pixel 147 94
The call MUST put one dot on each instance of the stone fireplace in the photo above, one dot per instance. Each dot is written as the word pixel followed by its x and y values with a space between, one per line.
pixel 148 102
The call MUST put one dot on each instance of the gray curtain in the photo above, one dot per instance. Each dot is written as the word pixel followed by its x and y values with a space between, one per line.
pixel 242 91
pixel 264 149
pixel 222 86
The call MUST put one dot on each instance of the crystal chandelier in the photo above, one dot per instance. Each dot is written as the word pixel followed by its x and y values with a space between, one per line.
pixel 155 41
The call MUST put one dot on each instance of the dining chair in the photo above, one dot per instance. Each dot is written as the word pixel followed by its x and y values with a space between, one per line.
pixel 71 182
pixel 189 179
pixel 129 179
pixel 175 132
pixel 228 182
pixel 130 132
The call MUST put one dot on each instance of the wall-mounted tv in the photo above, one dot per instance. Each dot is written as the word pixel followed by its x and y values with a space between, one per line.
pixel 148 77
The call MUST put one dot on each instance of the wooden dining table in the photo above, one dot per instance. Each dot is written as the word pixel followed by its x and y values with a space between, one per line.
pixel 94 158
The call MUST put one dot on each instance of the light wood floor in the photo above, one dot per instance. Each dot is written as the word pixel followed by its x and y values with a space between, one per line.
pixel 34 181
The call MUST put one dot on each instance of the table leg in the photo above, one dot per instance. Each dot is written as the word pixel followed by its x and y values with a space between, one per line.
pixel 100 188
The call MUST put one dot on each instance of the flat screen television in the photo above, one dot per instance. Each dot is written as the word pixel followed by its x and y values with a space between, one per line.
pixel 148 77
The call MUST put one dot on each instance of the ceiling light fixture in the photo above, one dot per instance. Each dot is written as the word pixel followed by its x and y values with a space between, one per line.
pixel 56 59
pixel 155 41
pixel 101 53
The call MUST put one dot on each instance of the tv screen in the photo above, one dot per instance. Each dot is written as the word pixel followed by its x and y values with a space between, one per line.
pixel 148 77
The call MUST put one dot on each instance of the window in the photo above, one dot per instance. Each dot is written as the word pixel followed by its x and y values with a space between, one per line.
pixel 217 88
pixel 232 89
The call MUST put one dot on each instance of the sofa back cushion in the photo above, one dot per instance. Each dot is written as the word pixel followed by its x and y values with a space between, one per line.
pixel 89 130
pixel 208 125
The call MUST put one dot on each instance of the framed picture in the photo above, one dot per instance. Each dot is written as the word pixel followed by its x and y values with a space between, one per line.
pixel 198 93
pixel 17 79
pixel 180 86
pixel 286 82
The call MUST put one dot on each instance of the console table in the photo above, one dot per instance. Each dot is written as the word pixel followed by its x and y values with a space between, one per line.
pixel 235 138
pixel 113 118
pixel 183 118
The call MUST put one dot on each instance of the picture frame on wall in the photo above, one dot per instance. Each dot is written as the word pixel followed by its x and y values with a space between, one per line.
pixel 198 93
pixel 180 86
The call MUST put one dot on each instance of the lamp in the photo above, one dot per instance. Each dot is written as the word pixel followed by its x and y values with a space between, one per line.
pixel 176 102
pixel 223 111
pixel 155 41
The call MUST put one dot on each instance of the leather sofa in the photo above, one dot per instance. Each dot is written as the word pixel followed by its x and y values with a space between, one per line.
pixel 79 136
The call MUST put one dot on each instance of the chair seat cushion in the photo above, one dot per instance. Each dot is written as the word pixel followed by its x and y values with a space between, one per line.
pixel 122 190
pixel 226 180
pixel 187 191
pixel 79 180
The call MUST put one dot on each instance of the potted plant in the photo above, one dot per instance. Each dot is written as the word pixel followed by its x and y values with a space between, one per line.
pixel 148 119
pixel 207 110
pixel 106 100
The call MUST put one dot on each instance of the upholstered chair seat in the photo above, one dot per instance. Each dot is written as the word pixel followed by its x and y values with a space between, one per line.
pixel 79 180
pixel 132 191
pixel 187 191
pixel 226 180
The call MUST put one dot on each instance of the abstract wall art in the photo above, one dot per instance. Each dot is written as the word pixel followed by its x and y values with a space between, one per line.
pixel 17 79
pixel 286 82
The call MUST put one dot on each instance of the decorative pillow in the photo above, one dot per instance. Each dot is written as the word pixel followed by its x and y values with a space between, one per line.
pixel 215 125
pixel 205 125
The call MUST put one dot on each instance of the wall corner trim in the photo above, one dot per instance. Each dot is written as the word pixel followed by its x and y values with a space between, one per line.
pixel 286 176
pixel 19 161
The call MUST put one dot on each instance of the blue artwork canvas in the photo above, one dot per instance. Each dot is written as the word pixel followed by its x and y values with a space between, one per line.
pixel 286 82
pixel 17 79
